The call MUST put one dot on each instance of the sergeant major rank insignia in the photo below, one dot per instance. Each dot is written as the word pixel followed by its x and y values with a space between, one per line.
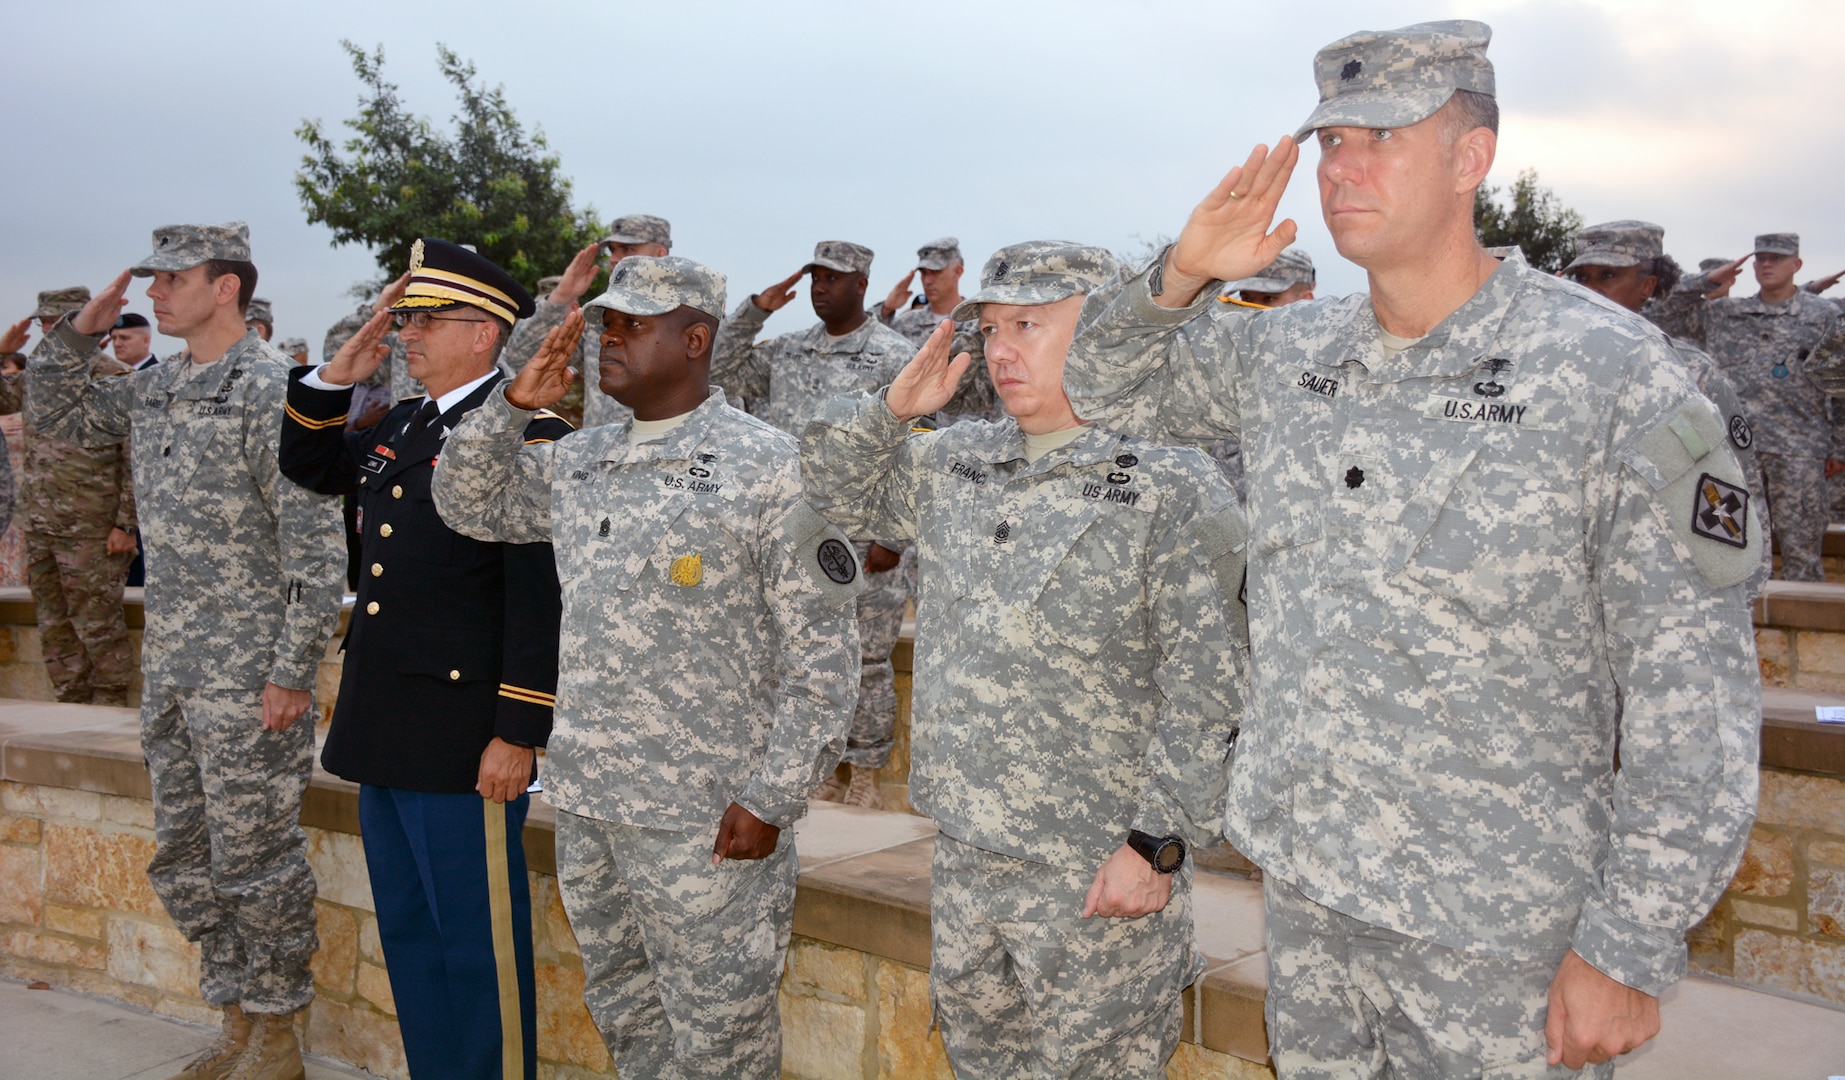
pixel 1720 512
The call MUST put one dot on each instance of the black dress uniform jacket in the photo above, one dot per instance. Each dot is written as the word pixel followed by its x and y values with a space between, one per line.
pixel 453 641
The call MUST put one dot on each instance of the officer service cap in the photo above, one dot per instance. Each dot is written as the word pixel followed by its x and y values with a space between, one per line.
pixel 841 255
pixel 1778 243
pixel 55 302
pixel 1039 272
pixel 446 275
pixel 1292 267
pixel 129 320
pixel 259 311
pixel 1618 243
pixel 938 254
pixel 1395 78
pixel 650 285
pixel 640 229
pixel 182 247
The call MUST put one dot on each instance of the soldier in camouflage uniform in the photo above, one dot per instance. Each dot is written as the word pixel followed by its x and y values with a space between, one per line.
pixel 1762 343
pixel 1625 261
pixel 635 234
pixel 798 374
pixel 940 264
pixel 707 639
pixel 1079 681
pixel 260 317
pixel 79 533
pixel 1493 529
pixel 243 591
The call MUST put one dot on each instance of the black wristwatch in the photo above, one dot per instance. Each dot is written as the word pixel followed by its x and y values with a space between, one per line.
pixel 1164 853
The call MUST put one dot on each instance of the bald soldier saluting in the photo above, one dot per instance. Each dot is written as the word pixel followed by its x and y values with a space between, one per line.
pixel 1493 529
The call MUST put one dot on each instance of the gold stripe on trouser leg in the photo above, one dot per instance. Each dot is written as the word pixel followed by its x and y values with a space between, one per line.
pixel 505 957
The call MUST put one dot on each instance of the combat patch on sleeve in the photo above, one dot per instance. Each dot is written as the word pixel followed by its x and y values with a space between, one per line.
pixel 822 553
pixel 1699 491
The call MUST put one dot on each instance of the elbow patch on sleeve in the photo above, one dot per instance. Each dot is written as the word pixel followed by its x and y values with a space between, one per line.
pixel 1223 539
pixel 1699 491
pixel 822 554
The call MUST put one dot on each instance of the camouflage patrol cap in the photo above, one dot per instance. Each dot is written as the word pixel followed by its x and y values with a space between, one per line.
pixel 1292 267
pixel 259 311
pixel 1778 243
pixel 182 247
pixel 1395 78
pixel 938 254
pixel 841 255
pixel 1618 243
pixel 291 346
pixel 640 229
pixel 1705 266
pixel 1039 272
pixel 55 302
pixel 546 284
pixel 650 285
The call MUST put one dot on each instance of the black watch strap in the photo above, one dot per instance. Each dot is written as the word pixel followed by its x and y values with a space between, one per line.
pixel 1164 853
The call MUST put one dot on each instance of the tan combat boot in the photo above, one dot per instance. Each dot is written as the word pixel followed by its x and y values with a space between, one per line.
pixel 830 789
pixel 863 791
pixel 273 1053
pixel 216 1061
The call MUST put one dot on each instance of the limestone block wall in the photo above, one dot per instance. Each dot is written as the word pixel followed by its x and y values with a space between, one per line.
pixel 1781 923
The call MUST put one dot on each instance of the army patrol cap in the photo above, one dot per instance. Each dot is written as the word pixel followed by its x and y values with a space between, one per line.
pixel 1292 267
pixel 446 275
pixel 938 254
pixel 1778 243
pixel 55 302
pixel 841 255
pixel 1705 266
pixel 182 247
pixel 1038 272
pixel 1618 243
pixel 1395 78
pixel 640 229
pixel 259 311
pixel 546 284
pixel 291 346
pixel 655 285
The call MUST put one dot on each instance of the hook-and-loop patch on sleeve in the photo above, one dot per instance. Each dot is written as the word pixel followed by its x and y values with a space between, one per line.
pixel 823 554
pixel 1223 539
pixel 1700 492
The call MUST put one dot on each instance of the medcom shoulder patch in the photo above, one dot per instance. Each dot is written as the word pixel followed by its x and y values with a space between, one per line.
pixel 836 561
pixel 1720 512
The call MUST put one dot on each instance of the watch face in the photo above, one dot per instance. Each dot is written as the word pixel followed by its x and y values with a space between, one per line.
pixel 1170 857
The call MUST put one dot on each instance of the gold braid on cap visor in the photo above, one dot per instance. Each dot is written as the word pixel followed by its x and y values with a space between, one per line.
pixel 431 288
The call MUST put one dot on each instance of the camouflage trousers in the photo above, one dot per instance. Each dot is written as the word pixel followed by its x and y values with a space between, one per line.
pixel 880 620
pixel 1024 986
pixel 681 959
pixel 1347 1000
pixel 77 588
pixel 230 859
pixel 1797 496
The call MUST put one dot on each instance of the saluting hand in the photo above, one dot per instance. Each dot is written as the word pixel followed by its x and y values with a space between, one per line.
pixel 547 375
pixel 361 354
pixel 1227 237
pixel 15 337
pixel 1725 276
pixel 99 315
pixel 505 771
pixel 392 293
pixel 931 378
pixel 577 276
pixel 1819 284
pixel 743 835
pixel 777 296
pixel 899 296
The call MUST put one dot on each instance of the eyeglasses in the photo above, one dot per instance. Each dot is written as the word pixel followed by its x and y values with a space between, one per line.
pixel 422 319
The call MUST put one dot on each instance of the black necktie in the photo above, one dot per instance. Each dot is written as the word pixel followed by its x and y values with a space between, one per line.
pixel 425 416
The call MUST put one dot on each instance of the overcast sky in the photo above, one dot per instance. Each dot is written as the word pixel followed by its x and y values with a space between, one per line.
pixel 758 129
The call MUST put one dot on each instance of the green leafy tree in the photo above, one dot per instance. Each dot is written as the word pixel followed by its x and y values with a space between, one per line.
pixel 1536 222
pixel 487 183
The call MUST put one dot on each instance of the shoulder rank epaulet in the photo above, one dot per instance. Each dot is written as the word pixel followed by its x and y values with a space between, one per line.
pixel 412 397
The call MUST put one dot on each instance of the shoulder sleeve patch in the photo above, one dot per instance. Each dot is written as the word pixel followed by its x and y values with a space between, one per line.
pixel 1700 491
pixel 822 554
pixel 1223 539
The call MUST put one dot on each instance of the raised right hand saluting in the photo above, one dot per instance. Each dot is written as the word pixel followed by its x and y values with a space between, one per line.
pixel 99 315
pixel 776 296
pixel 546 377
pixel 1227 237
pixel 930 378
